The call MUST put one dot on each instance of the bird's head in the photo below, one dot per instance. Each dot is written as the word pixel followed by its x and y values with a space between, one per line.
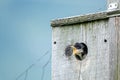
pixel 79 50
pixel 76 51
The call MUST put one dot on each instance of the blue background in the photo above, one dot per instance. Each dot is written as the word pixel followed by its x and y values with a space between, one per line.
pixel 25 34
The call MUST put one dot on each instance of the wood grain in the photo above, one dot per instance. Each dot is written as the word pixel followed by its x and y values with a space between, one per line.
pixel 100 63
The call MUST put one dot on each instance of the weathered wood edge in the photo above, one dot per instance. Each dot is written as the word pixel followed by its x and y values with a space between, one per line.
pixel 84 18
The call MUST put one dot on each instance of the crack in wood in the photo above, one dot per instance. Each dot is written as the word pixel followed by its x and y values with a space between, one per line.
pixel 79 77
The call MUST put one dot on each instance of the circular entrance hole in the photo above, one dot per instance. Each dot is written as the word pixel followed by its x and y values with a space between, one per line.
pixel 79 50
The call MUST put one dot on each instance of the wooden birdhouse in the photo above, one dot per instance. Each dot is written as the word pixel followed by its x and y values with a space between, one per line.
pixel 101 34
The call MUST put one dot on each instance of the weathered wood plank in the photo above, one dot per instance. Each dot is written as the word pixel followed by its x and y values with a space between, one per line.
pixel 117 24
pixel 115 62
pixel 64 68
pixel 97 59
pixel 113 49
pixel 84 18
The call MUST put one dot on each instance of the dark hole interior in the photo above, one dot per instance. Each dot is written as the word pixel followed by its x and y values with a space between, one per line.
pixel 78 57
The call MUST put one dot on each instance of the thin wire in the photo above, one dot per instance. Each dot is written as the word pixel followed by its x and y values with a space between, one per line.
pixel 43 56
pixel 44 66
pixel 31 66
pixel 26 75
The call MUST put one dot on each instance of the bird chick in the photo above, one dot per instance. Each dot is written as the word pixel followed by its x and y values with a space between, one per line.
pixel 79 50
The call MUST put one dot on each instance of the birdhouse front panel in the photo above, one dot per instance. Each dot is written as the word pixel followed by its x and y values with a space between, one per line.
pixel 99 36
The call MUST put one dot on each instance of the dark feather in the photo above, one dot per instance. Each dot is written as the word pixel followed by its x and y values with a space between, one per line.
pixel 81 46
pixel 68 50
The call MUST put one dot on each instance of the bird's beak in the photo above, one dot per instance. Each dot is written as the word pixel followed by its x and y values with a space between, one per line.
pixel 72 47
pixel 75 51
